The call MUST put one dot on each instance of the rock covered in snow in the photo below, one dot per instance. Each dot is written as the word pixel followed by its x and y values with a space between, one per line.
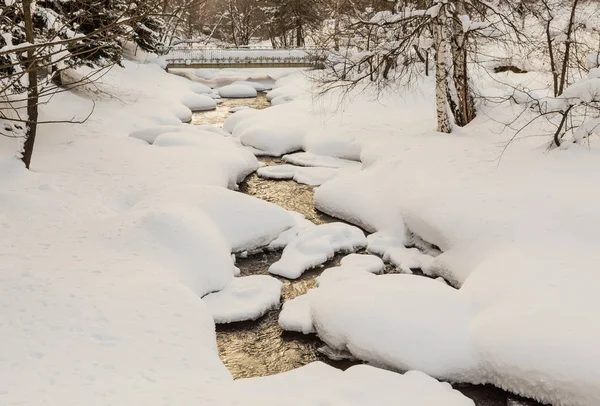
pixel 402 322
pixel 312 176
pixel 310 159
pixel 232 121
pixel 244 298
pixel 198 102
pixel 295 314
pixel 200 88
pixel 237 91
pixel 365 262
pixel 314 246
pixel 259 87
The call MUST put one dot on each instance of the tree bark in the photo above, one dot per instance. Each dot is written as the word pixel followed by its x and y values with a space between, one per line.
pixel 441 84
pixel 32 87
pixel 465 109
pixel 563 72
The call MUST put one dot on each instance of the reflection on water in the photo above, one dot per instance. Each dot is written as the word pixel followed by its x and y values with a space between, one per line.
pixel 261 348
pixel 285 193
pixel 218 116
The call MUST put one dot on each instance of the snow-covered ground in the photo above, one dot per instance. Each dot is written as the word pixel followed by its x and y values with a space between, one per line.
pixel 517 226
pixel 112 239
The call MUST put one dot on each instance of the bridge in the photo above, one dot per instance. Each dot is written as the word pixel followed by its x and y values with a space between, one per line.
pixel 182 56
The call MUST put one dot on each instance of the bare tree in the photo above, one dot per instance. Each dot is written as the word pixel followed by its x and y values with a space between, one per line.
pixel 39 44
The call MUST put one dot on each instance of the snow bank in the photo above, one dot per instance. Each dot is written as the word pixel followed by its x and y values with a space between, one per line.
pixel 122 239
pixel 314 246
pixel 237 91
pixel 244 298
pixel 150 134
pixel 514 235
pixel 358 385
pixel 245 222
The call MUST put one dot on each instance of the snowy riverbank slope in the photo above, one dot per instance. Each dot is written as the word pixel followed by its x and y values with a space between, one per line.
pixel 111 240
pixel 518 228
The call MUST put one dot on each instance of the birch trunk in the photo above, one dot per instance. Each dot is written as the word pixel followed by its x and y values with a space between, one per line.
pixel 441 87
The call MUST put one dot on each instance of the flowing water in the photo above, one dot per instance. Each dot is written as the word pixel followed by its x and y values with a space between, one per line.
pixel 216 117
pixel 261 347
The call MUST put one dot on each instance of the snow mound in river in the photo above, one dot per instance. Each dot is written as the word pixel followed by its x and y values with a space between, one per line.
pixel 237 91
pixel 314 246
pixel 244 298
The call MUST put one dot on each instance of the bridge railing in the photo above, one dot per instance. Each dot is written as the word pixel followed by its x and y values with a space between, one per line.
pixel 182 55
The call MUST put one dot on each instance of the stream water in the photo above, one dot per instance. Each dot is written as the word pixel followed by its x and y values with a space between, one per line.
pixel 261 347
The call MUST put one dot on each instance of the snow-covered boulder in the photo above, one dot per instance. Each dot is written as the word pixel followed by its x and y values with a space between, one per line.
pixel 237 91
pixel 259 87
pixel 198 102
pixel 402 322
pixel 315 245
pixel 244 298
pixel 200 88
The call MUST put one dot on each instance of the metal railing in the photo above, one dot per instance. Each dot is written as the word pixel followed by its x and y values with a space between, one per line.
pixel 181 56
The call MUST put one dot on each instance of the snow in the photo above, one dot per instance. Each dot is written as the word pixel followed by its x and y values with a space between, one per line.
pixel 106 304
pixel 182 113
pixel 368 263
pixel 300 223
pixel 295 314
pixel 358 385
pixel 246 222
pixel 310 159
pixel 198 102
pixel 237 91
pixel 232 121
pixel 244 298
pixel 200 88
pixel 114 239
pixel 212 128
pixel 514 235
pixel 337 274
pixel 259 87
pixel 393 250
pixel 150 134
pixel 397 323
pixel 277 130
pixel 309 176
pixel 315 245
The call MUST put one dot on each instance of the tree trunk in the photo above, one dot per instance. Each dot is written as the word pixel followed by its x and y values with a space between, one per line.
pixel 299 36
pixel 32 87
pixel 563 72
pixel 465 108
pixel 441 84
